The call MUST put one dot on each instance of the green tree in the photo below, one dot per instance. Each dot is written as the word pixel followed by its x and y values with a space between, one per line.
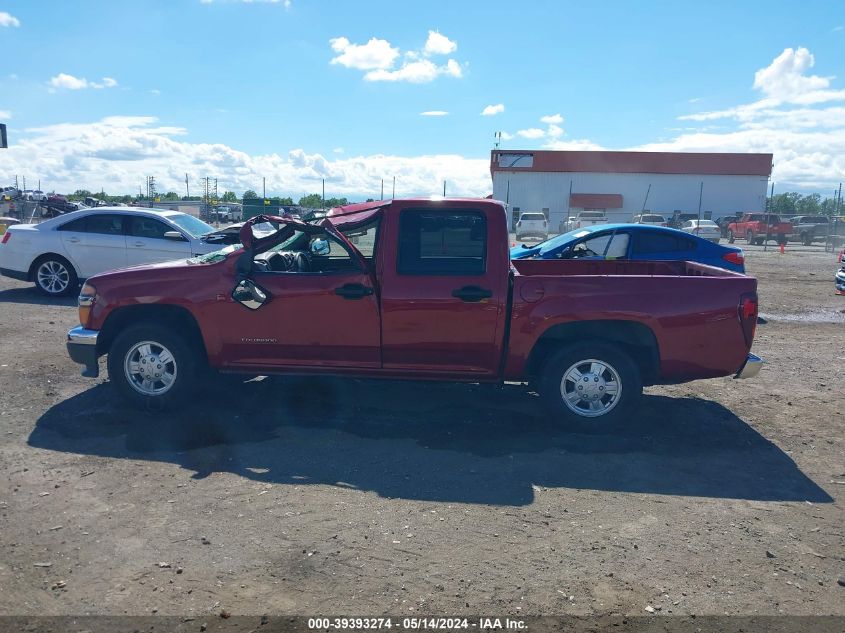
pixel 311 201
pixel 170 195
pixel 229 196
pixel 249 194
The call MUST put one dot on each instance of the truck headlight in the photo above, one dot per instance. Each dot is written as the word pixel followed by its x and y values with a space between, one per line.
pixel 86 302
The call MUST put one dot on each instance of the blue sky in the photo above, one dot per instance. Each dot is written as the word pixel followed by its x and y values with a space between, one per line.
pixel 101 94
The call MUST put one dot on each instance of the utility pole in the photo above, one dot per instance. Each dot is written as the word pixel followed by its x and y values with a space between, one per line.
pixel 700 194
pixel 393 197
pixel 839 199
pixel 264 187
pixel 187 188
pixel 769 203
pixel 645 200
pixel 151 189
pixel 444 188
pixel 382 189
pixel 323 199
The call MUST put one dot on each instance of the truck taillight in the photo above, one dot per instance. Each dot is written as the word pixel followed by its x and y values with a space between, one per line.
pixel 748 315
pixel 6 236
pixel 734 257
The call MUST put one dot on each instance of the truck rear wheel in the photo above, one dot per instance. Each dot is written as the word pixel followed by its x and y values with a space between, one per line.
pixel 152 366
pixel 731 238
pixel 591 385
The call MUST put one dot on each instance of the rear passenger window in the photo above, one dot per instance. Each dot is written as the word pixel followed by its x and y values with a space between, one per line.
pixel 442 243
pixel 104 224
pixel 647 242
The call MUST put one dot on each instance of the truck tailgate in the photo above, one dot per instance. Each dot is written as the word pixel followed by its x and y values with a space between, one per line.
pixel 692 309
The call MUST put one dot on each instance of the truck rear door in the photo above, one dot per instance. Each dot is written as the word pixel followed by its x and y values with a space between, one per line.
pixel 444 288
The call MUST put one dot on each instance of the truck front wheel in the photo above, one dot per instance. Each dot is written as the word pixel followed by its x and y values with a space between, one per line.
pixel 151 365
pixel 591 385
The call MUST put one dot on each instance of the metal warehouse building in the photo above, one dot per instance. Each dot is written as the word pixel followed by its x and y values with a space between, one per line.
pixel 563 183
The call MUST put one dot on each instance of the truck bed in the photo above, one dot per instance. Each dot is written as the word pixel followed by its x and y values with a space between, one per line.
pixel 691 309
pixel 579 267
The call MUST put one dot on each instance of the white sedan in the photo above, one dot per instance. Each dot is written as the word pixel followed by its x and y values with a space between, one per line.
pixel 58 253
pixel 705 229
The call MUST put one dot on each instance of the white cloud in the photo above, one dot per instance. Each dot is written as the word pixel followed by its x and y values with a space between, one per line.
pixel 438 44
pixel 375 54
pixel 155 91
pixel 492 110
pixel 5 114
pixel 532 133
pixel 69 82
pixel 784 81
pixel 422 71
pixel 6 19
pixel 338 150
pixel 118 152
pixel 378 57
pixel 506 136
pixel 694 100
pixel 554 131
pixel 434 113
pixel 552 119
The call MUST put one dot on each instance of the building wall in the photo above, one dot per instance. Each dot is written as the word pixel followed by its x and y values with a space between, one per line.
pixel 723 195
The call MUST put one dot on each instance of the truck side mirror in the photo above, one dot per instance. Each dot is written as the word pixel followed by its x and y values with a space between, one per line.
pixel 249 295
pixel 176 236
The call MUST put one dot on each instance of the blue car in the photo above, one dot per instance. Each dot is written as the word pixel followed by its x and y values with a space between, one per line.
pixel 634 241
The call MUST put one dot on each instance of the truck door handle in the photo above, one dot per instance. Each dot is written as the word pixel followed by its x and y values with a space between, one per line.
pixel 140 244
pixel 472 294
pixel 73 240
pixel 353 291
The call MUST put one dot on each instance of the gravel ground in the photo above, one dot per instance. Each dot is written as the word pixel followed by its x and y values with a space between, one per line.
pixel 293 496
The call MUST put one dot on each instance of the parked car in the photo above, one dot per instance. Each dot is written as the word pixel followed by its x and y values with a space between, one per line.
pixel 10 193
pixel 429 294
pixel 653 219
pixel 532 225
pixel 57 253
pixel 585 219
pixel 725 220
pixel 37 195
pixel 810 228
pixel 758 228
pixel 706 229
pixel 678 219
pixel 634 242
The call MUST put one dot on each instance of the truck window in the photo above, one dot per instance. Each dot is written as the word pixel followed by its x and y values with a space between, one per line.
pixel 447 242
pixel 364 237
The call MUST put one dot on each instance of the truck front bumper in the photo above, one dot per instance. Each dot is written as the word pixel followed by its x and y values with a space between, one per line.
pixel 82 348
pixel 751 367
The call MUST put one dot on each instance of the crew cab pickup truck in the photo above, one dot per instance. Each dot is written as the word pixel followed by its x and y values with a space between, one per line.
pixel 757 228
pixel 427 291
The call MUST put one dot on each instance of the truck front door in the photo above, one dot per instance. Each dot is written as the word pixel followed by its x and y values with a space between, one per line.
pixel 444 290
pixel 321 310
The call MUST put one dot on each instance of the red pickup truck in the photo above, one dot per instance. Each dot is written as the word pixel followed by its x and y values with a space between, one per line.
pixel 757 228
pixel 416 289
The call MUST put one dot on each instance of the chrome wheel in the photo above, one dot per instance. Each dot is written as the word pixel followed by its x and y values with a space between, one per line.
pixel 53 277
pixel 150 368
pixel 591 387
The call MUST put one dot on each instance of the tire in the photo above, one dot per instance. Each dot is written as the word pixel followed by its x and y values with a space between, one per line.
pixel 731 238
pixel 563 372
pixel 749 237
pixel 156 352
pixel 806 240
pixel 782 239
pixel 54 276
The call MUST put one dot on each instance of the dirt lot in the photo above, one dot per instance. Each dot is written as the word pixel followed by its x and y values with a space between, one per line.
pixel 291 496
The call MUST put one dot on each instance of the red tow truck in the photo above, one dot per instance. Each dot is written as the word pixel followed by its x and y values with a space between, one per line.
pixel 416 289
pixel 758 228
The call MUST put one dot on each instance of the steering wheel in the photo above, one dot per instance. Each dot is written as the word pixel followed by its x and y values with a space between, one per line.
pixel 302 263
